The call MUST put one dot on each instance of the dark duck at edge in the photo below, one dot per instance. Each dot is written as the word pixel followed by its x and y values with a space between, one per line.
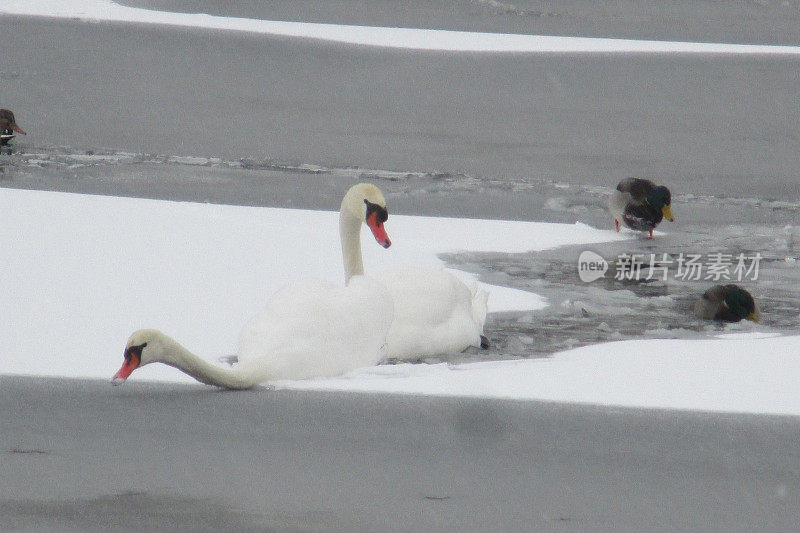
pixel 640 204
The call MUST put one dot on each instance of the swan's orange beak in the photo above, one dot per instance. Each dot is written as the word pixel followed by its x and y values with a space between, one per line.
pixel 131 363
pixel 378 231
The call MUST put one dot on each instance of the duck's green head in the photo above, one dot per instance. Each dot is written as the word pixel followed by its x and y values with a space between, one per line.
pixel 741 303
pixel 660 198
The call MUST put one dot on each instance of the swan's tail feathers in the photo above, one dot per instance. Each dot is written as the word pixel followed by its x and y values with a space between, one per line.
pixel 480 299
pixel 229 360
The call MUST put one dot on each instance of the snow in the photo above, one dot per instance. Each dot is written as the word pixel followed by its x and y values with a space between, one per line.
pixel 744 372
pixel 80 272
pixel 83 272
pixel 462 41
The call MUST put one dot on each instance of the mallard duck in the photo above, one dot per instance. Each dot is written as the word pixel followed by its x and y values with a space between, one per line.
pixel 8 126
pixel 640 204
pixel 729 303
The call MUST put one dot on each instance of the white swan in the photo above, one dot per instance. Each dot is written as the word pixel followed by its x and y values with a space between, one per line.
pixel 315 329
pixel 435 313
pixel 308 329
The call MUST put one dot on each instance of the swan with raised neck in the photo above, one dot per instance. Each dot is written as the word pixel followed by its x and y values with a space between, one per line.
pixel 363 204
pixel 435 313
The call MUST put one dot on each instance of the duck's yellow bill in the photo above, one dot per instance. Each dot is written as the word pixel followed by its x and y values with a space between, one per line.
pixel 753 316
pixel 667 211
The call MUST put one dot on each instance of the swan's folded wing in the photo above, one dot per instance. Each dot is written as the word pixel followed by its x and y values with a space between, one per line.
pixel 434 313
pixel 315 329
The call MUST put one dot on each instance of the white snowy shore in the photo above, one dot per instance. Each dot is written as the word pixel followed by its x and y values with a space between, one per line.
pixel 80 273
pixel 408 38
pixel 744 373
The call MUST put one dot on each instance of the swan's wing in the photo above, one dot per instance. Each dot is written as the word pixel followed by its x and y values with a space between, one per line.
pixel 434 313
pixel 426 296
pixel 315 328
pixel 480 306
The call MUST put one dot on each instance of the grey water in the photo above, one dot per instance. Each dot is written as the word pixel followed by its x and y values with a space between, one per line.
pixel 741 21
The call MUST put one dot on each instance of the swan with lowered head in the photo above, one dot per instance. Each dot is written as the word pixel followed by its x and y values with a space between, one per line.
pixel 308 329
pixel 435 313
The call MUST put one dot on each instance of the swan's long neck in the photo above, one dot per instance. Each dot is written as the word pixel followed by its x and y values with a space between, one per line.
pixel 176 355
pixel 350 233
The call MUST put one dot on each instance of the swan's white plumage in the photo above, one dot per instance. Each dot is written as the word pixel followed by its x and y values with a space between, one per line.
pixel 435 313
pixel 314 328
pixel 308 329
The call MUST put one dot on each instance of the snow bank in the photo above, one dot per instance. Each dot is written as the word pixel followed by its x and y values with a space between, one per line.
pixel 105 10
pixel 746 373
pixel 80 273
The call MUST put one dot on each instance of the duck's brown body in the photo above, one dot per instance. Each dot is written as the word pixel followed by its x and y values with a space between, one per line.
pixel 640 204
pixel 8 126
